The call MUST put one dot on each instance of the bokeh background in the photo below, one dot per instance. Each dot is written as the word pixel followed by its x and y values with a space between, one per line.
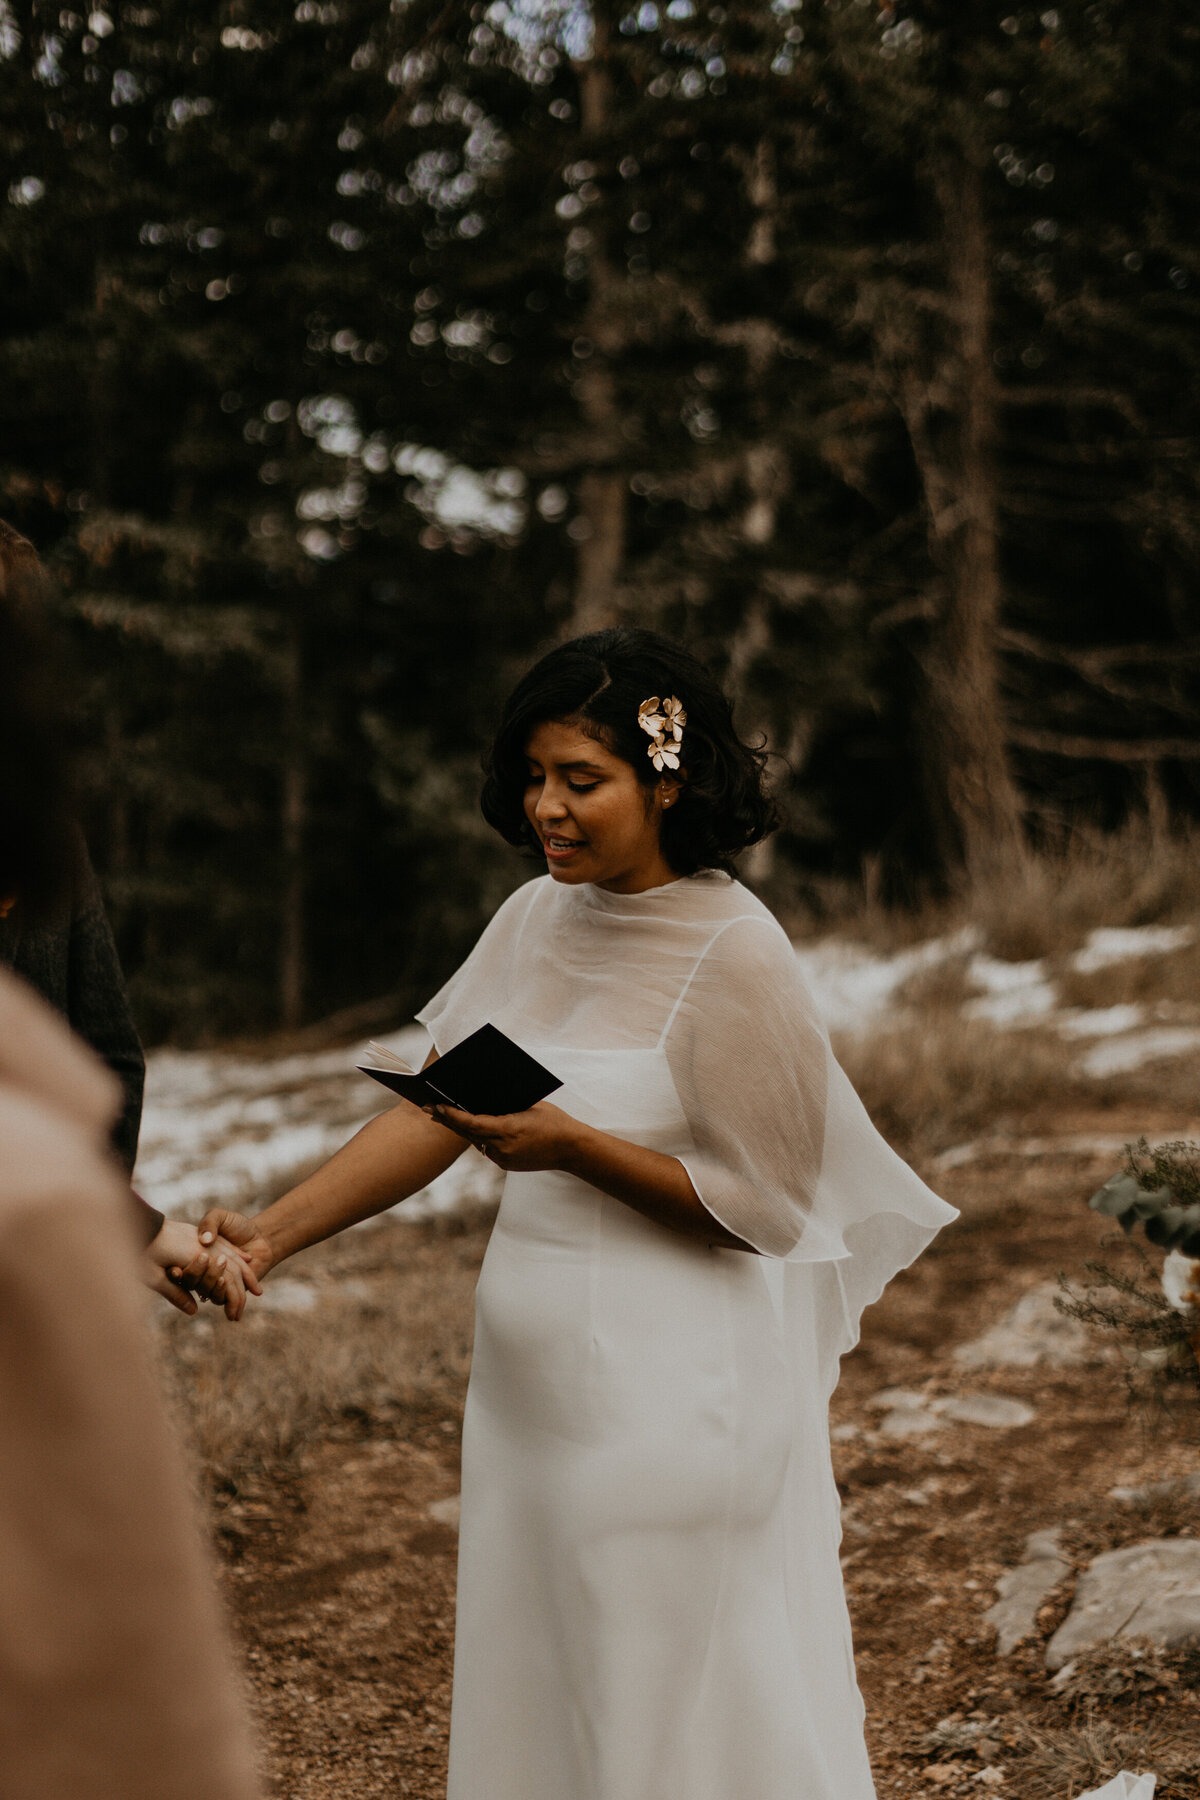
pixel 350 354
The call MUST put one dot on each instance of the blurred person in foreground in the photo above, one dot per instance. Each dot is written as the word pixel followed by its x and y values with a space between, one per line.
pixel 54 933
pixel 115 1678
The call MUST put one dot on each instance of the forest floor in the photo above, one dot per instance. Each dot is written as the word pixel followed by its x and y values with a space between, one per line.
pixel 1010 1068
pixel 339 1553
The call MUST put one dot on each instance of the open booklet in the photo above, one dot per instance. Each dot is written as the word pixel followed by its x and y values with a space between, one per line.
pixel 486 1073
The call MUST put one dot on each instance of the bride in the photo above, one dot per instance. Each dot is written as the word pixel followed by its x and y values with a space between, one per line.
pixel 650 1603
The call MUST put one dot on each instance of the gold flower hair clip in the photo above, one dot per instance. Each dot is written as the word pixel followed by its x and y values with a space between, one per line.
pixel 664 725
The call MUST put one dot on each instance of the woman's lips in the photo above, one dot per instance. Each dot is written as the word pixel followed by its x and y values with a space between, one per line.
pixel 561 849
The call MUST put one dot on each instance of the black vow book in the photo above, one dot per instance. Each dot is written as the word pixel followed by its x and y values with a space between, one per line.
pixel 486 1073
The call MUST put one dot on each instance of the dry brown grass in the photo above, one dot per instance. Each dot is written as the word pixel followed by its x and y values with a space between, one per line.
pixel 1047 904
pixel 1056 1765
pixel 389 1334
pixel 937 1078
pixel 1143 980
pixel 1044 905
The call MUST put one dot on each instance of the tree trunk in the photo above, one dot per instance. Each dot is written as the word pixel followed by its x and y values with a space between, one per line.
pixel 974 805
pixel 293 950
pixel 600 527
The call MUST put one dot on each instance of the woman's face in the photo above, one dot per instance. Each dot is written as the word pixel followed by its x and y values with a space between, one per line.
pixel 594 819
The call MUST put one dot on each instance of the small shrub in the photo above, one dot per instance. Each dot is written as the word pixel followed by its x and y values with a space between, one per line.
pixel 1154 1339
pixel 1048 1765
pixel 1158 1189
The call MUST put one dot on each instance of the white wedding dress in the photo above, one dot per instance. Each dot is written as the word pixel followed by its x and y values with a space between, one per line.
pixel 650 1603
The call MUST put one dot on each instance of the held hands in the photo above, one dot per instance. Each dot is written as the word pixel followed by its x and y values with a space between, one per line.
pixel 177 1263
pixel 544 1137
pixel 220 1226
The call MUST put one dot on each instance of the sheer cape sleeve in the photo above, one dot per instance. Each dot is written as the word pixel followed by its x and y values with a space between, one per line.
pixel 748 1059
pixel 482 985
pixel 785 1155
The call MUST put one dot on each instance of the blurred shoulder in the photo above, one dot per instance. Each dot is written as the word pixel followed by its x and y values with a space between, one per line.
pixel 48 1160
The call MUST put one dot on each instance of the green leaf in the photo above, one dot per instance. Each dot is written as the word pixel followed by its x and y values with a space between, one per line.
pixel 1166 1226
pixel 1116 1197
pixel 1149 1205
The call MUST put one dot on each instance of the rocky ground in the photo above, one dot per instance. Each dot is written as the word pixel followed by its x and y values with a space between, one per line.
pixel 962 1427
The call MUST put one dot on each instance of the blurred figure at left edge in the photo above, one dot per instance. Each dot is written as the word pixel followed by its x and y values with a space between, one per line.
pixel 54 933
pixel 116 1680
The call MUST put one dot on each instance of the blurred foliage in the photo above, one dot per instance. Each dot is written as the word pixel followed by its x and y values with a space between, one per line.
pixel 349 352
pixel 1157 1342
pixel 1159 1189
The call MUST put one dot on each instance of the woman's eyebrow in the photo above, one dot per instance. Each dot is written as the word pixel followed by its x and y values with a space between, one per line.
pixel 593 768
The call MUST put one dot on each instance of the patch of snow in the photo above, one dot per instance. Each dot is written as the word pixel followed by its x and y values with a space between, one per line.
pixel 1013 993
pixel 854 986
pixel 1102 1021
pixel 1121 1055
pixel 1111 945
pixel 229 1130
pixel 469 1182
pixel 1034 1331
pixel 1104 1143
pixel 285 1295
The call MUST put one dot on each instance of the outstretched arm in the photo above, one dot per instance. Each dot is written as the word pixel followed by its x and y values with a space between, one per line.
pixel 393 1156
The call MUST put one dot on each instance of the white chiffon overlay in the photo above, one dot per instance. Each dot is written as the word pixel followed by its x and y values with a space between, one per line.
pixel 650 1602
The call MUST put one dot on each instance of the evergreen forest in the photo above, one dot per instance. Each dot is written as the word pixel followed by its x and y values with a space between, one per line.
pixel 352 354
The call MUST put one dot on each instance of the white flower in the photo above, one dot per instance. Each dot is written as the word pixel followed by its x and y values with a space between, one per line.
pixel 1181 1281
pixel 665 727
pixel 649 717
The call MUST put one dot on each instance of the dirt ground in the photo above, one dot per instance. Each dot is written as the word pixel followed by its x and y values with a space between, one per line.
pixel 341 1581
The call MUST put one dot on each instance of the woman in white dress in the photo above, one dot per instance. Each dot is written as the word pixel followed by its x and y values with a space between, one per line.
pixel 650 1603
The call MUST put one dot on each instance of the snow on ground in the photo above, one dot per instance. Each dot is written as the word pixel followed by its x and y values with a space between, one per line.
pixel 227 1130
pixel 859 989
pixel 235 1130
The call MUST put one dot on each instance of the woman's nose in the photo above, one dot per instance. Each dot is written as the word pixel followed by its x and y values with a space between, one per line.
pixel 551 804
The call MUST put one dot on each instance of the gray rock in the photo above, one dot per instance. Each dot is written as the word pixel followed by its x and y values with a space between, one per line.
pixel 993 1410
pixel 1033 1333
pixel 910 1421
pixel 446 1512
pixel 907 1398
pixel 910 1413
pixel 1179 1487
pixel 1145 1590
pixel 1023 1589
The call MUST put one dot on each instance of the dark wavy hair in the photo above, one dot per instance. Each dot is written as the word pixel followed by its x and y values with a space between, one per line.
pixel 600 681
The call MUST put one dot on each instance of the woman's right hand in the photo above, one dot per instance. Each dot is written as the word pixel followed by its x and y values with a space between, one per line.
pixel 244 1232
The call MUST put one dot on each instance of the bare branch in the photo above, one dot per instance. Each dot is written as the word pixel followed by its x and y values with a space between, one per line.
pixel 1091 661
pixel 1123 750
pixel 1074 396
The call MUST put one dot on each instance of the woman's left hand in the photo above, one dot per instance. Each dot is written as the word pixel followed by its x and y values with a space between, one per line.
pixel 540 1138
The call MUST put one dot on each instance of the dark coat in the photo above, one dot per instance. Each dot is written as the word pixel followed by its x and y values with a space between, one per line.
pixel 71 960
